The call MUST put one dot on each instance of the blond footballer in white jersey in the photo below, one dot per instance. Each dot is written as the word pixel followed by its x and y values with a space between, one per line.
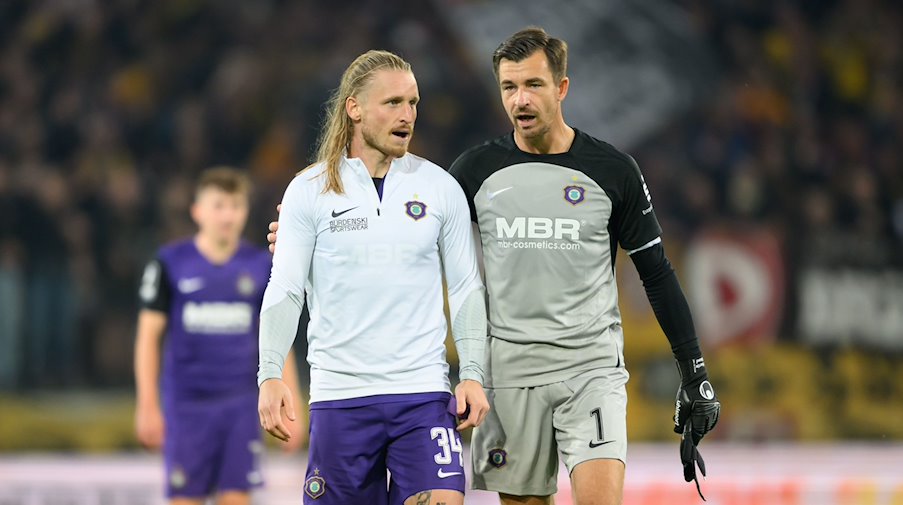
pixel 371 269
pixel 367 233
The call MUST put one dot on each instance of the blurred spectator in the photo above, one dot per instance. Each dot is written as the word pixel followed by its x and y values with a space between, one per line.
pixel 12 284
pixel 50 304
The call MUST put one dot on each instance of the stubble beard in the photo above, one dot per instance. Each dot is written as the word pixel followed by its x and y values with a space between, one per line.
pixel 537 131
pixel 371 141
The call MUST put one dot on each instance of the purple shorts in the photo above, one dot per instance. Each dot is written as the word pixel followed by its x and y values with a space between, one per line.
pixel 212 446
pixel 354 442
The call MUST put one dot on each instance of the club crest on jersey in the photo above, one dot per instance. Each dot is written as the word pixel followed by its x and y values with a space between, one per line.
pixel 574 194
pixel 315 486
pixel 245 285
pixel 498 458
pixel 415 210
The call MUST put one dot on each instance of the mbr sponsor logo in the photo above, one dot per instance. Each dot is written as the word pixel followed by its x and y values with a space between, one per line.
pixel 538 227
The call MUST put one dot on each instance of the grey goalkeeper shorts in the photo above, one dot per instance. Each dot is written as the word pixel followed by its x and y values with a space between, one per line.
pixel 516 448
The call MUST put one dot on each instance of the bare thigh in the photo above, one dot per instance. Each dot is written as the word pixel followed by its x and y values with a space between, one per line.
pixel 187 501
pixel 233 498
pixel 598 482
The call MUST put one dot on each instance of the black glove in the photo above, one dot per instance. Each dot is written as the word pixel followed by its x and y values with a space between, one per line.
pixel 696 413
pixel 690 457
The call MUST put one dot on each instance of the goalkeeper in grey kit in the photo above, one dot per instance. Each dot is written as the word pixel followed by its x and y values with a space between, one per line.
pixel 556 376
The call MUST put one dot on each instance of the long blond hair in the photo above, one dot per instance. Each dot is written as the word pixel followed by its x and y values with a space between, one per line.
pixel 337 129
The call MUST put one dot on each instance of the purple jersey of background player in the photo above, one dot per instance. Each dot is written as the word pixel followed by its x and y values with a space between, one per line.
pixel 211 339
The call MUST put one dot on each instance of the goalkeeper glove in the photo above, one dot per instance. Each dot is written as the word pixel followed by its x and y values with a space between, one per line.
pixel 696 413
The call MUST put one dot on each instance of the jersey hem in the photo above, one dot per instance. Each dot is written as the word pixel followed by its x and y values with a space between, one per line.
pixel 319 395
pixel 547 378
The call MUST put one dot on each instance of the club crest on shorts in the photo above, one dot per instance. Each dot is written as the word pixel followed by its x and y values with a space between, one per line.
pixel 415 210
pixel 177 478
pixel 498 458
pixel 574 194
pixel 245 285
pixel 315 486
pixel 255 478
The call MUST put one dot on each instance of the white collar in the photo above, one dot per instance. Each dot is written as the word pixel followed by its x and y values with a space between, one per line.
pixel 357 166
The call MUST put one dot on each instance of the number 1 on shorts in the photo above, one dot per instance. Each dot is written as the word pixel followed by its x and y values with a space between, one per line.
pixel 600 432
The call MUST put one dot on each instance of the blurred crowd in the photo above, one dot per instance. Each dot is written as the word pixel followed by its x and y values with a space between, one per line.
pixel 802 132
pixel 108 110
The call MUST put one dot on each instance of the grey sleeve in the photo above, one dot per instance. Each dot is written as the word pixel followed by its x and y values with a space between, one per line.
pixel 278 325
pixel 469 332
pixel 466 299
pixel 284 295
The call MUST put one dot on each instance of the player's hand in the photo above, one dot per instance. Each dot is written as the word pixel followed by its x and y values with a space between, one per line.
pixel 274 227
pixel 149 426
pixel 472 405
pixel 696 400
pixel 696 413
pixel 274 407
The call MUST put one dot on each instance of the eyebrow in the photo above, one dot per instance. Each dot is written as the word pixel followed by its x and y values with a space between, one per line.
pixel 530 80
pixel 400 98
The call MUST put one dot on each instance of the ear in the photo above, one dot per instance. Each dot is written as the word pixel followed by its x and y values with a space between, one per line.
pixel 353 109
pixel 563 88
pixel 195 211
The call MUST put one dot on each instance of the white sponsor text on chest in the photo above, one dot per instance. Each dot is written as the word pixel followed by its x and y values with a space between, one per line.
pixel 537 227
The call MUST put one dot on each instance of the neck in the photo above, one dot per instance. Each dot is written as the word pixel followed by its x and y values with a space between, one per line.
pixel 215 251
pixel 556 141
pixel 377 162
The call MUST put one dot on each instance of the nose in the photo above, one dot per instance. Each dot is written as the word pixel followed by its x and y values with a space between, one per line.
pixel 231 214
pixel 408 114
pixel 521 98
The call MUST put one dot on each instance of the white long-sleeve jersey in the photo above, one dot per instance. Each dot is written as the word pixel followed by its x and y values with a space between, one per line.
pixel 372 271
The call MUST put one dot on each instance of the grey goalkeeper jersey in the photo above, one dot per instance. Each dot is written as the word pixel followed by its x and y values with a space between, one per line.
pixel 550 226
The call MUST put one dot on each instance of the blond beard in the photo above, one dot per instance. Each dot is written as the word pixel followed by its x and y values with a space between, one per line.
pixel 370 141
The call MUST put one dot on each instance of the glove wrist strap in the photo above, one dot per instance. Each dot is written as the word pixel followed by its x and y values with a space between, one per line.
pixel 692 370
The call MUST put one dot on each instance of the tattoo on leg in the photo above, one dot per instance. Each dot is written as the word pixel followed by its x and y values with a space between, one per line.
pixel 424 498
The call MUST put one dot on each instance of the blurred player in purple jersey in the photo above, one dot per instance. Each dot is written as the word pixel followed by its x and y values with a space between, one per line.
pixel 204 294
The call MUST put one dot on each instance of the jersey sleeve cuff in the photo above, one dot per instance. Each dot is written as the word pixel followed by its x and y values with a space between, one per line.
pixel 471 374
pixel 269 367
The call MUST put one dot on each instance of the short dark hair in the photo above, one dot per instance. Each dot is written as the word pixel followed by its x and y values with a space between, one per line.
pixel 228 179
pixel 524 43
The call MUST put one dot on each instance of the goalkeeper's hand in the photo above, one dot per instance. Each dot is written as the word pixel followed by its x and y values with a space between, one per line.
pixel 696 413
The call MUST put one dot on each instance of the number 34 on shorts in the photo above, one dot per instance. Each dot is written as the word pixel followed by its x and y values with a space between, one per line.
pixel 449 442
